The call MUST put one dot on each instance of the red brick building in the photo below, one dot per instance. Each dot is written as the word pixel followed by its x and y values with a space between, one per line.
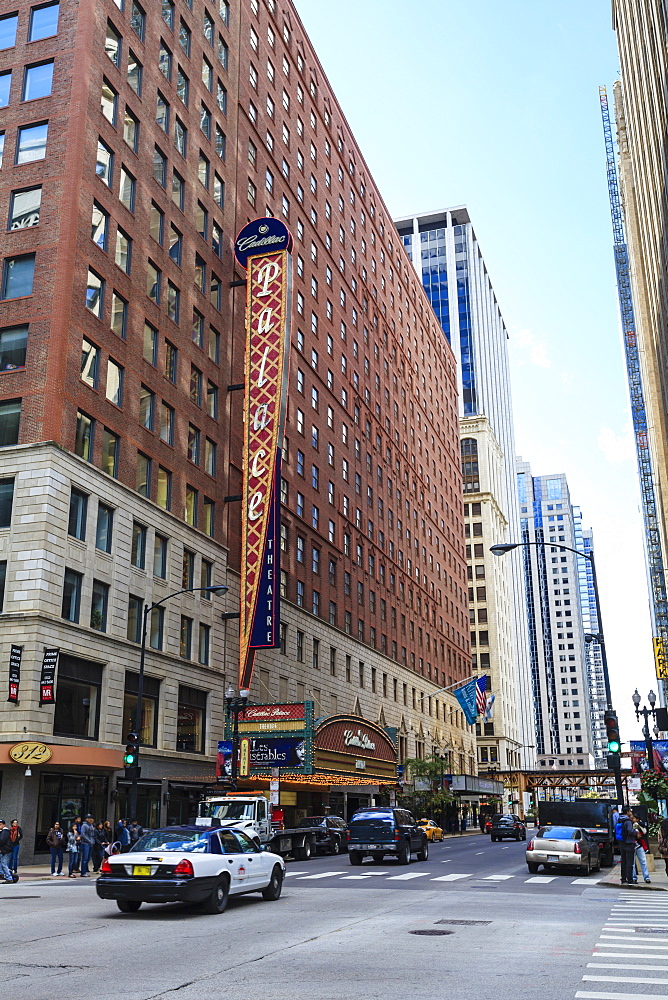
pixel 137 140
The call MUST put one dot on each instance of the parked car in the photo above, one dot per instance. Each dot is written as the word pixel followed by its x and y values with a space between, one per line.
pixel 380 831
pixel 433 831
pixel 507 825
pixel 190 864
pixel 331 832
pixel 563 847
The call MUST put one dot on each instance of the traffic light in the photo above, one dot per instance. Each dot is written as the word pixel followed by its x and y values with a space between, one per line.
pixel 131 756
pixel 612 732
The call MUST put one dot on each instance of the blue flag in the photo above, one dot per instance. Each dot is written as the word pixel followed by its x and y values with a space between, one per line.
pixel 466 696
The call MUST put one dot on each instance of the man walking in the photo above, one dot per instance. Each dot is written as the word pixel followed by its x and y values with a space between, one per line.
pixel 5 851
pixel 627 843
pixel 87 833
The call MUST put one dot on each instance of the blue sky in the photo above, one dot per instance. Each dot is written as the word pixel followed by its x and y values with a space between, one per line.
pixel 496 106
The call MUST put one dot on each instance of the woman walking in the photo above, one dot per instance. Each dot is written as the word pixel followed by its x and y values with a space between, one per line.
pixel 15 838
pixel 641 847
pixel 56 841
pixel 99 844
pixel 73 848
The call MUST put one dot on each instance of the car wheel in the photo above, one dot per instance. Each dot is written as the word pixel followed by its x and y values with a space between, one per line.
pixel 494 839
pixel 518 838
pixel 404 856
pixel 424 853
pixel 378 858
pixel 598 864
pixel 588 866
pixel 304 853
pixel 128 905
pixel 273 890
pixel 533 867
pixel 335 846
pixel 217 901
pixel 355 857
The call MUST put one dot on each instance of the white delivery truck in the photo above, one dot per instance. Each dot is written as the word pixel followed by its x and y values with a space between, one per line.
pixel 252 814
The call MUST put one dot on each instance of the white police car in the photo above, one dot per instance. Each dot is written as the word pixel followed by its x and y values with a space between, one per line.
pixel 190 864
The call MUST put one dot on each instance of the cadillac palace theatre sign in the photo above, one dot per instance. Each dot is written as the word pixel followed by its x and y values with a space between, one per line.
pixel 263 248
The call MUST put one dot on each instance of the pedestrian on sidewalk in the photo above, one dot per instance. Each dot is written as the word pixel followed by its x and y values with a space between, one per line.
pixel 5 851
pixel 136 831
pixel 627 842
pixel 56 841
pixel 641 847
pixel 73 848
pixel 123 835
pixel 464 821
pixel 15 837
pixel 663 841
pixel 99 843
pixel 87 832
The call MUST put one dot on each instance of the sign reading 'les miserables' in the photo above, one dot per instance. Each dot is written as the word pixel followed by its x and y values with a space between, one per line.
pixel 267 329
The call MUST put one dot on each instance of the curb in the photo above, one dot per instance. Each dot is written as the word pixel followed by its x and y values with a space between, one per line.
pixel 613 881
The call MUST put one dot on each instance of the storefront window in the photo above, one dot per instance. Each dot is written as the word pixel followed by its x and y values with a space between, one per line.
pixel 191 717
pixel 77 698
pixel 62 797
pixel 148 805
pixel 148 733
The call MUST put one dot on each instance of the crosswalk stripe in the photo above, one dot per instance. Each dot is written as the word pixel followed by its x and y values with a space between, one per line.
pixel 645 980
pixel 621 938
pixel 452 877
pixel 407 876
pixel 496 878
pixel 585 881
pixel 288 874
pixel 355 877
pixel 541 878
pixel 620 965
pixel 633 954
pixel 582 995
pixel 303 878
pixel 625 943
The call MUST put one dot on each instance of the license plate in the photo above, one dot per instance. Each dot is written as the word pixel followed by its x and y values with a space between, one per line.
pixel 373 847
pixel 553 857
pixel 141 870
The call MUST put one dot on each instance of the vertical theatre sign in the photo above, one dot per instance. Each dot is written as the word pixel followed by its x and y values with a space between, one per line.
pixel 15 655
pixel 263 249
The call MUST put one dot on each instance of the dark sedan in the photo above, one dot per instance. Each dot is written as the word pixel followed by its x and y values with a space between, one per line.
pixel 330 835
pixel 507 825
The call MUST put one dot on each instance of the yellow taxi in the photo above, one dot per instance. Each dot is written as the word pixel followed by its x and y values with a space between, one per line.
pixel 431 829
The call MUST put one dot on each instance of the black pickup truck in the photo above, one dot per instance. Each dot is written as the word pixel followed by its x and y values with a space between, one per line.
pixel 592 815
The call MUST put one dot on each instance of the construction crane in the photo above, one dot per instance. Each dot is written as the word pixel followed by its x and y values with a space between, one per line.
pixel 652 535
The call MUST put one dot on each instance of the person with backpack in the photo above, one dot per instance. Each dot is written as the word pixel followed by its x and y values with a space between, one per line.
pixel 626 838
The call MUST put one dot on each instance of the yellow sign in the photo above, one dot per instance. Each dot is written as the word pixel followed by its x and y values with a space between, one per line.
pixel 31 753
pixel 660 658
pixel 244 757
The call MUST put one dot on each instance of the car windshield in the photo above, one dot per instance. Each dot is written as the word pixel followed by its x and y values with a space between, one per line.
pixel 174 840
pixel 228 810
pixel 311 821
pixel 557 832
pixel 368 817
pixel 504 819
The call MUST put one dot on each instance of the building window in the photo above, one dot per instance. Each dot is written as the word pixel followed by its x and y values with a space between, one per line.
pixel 10 418
pixel 186 638
pixel 134 622
pixel 190 729
pixel 83 444
pixel 76 525
pixel 37 81
pixel 138 552
pixel 108 102
pixel 43 22
pixel 164 493
pixel 109 456
pixel 77 698
pixel 160 557
pixel 147 727
pixel 156 628
pixel 98 607
pixel 300 646
pixel 31 143
pixel 143 476
pixel 203 650
pixel 94 293
pixel 24 208
pixel 191 505
pixel 104 528
pixel 71 605
pixel 209 517
pixel 90 363
pixel 104 163
pixel 17 277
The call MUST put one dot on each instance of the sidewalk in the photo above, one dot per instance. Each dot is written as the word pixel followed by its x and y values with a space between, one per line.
pixel 659 879
pixel 42 873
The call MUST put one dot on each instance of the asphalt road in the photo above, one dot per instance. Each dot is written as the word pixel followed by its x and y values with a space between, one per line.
pixel 456 863
pixel 325 939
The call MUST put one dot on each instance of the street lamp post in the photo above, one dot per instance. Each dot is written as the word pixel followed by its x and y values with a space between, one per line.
pixel 503 547
pixel 140 684
pixel 647 714
pixel 235 706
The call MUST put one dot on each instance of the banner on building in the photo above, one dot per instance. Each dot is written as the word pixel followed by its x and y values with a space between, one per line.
pixel 660 658
pixel 264 754
pixel 15 654
pixel 47 682
pixel 263 248
pixel 467 698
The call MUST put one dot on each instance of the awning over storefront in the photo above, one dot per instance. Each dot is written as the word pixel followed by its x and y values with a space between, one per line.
pixel 349 750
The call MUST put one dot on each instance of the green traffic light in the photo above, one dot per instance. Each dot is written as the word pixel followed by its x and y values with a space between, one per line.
pixel 129 758
pixel 614 746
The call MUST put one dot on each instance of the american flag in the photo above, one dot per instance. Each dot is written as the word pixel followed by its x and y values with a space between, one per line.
pixel 481 695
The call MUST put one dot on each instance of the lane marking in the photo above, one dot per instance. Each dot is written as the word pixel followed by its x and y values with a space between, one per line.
pixel 580 995
pixel 288 874
pixel 618 965
pixel 303 878
pixel 450 878
pixel 355 877
pixel 623 942
pixel 479 852
pixel 544 879
pixel 626 954
pixel 646 980
pixel 407 876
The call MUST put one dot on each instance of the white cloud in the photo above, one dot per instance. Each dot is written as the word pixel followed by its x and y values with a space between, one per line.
pixel 534 348
pixel 616 447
